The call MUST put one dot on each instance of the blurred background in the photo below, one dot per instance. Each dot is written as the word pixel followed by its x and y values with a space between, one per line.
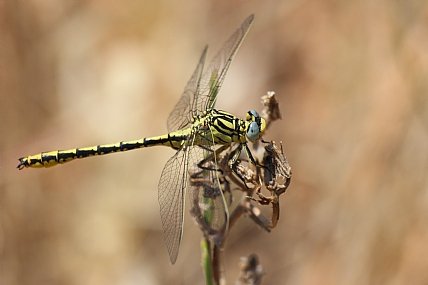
pixel 351 78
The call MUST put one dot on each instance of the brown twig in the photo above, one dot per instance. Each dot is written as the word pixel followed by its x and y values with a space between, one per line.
pixel 274 175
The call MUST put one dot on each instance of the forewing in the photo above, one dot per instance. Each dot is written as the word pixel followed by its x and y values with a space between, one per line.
pixel 171 191
pixel 182 113
pixel 213 76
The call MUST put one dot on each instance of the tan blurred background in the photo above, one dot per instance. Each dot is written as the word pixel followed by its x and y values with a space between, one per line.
pixel 351 77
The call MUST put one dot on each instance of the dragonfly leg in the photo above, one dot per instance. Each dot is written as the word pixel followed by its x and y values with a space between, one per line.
pixel 234 159
pixel 263 141
pixel 253 161
pixel 233 163
pixel 209 158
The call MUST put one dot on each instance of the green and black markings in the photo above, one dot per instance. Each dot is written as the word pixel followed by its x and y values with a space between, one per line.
pixel 224 129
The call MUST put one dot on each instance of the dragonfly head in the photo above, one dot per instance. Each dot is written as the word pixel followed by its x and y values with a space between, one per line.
pixel 255 125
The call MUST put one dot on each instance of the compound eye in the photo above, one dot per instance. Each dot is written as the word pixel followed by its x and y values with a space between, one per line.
pixel 254 113
pixel 251 114
pixel 253 131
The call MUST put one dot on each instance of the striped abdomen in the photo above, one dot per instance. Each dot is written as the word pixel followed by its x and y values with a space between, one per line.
pixel 52 158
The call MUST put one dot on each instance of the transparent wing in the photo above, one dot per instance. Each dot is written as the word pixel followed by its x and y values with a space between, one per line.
pixel 200 93
pixel 171 191
pixel 199 155
pixel 213 76
pixel 207 202
pixel 182 113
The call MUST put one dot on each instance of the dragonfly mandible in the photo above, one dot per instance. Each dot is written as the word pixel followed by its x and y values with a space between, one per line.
pixel 195 129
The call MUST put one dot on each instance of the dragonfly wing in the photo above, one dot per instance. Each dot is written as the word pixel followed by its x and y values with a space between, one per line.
pixel 182 113
pixel 171 191
pixel 201 91
pixel 213 76
pixel 207 202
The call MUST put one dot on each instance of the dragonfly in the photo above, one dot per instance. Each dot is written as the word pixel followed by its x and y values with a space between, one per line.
pixel 196 130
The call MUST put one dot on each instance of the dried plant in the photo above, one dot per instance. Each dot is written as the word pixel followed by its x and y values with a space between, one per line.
pixel 214 177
